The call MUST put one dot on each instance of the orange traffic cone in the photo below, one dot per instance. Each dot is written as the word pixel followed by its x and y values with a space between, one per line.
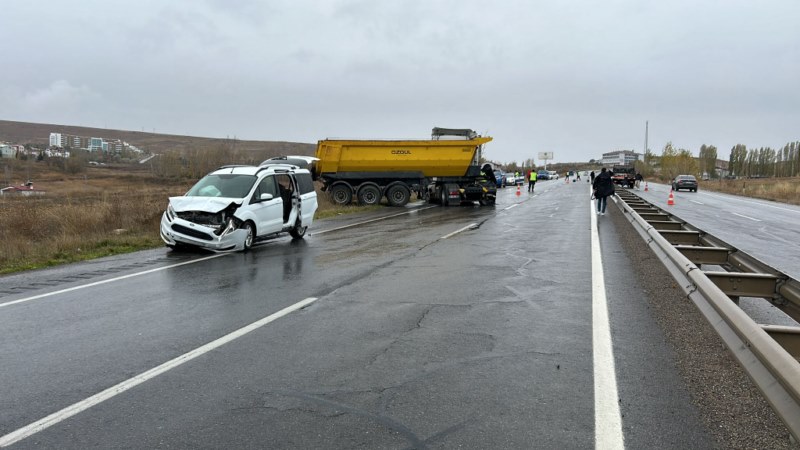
pixel 518 192
pixel 645 186
pixel 671 199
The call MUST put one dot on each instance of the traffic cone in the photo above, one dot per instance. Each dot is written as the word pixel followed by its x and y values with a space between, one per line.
pixel 671 199
pixel 518 192
pixel 645 186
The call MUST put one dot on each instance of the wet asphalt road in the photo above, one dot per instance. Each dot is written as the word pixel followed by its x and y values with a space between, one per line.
pixel 764 229
pixel 419 338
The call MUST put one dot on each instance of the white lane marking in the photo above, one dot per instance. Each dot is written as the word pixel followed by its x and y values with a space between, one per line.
pixel 607 420
pixel 746 217
pixel 372 220
pixel 83 405
pixel 110 280
pixel 512 206
pixel 695 201
pixel 471 226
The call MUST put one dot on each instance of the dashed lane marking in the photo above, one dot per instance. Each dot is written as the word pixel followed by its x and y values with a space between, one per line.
pixel 471 226
pixel 413 211
pixel 75 408
pixel 747 217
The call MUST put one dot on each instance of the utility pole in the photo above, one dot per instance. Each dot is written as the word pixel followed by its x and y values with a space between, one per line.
pixel 646 129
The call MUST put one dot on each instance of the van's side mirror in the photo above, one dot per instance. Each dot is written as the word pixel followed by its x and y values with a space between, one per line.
pixel 265 197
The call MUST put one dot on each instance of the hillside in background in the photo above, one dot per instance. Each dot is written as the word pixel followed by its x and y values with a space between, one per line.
pixel 39 134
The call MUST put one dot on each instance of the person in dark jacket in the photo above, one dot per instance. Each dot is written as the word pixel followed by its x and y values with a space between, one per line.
pixel 603 187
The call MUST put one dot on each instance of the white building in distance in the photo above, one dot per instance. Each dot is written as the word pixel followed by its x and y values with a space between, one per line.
pixel 620 157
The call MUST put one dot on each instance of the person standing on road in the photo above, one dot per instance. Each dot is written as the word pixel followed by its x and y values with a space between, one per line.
pixel 531 180
pixel 591 177
pixel 639 179
pixel 603 187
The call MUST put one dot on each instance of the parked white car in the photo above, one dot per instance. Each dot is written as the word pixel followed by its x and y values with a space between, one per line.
pixel 234 207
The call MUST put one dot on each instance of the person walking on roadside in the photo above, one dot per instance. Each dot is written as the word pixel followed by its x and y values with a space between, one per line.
pixel 591 177
pixel 603 187
pixel 531 180
pixel 639 178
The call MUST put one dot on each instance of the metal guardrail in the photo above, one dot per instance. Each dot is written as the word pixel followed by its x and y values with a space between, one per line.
pixel 770 354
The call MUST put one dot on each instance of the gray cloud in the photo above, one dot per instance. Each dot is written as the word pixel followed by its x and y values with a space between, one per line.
pixel 575 78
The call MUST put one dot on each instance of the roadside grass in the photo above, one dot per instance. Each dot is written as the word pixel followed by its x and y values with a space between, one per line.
pixel 785 190
pixel 43 232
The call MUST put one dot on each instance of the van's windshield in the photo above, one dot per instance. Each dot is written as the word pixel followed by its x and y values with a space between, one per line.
pixel 227 185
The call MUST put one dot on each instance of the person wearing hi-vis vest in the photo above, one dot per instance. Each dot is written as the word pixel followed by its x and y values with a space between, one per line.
pixel 531 180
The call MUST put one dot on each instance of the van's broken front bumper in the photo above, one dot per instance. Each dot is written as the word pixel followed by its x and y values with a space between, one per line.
pixel 182 232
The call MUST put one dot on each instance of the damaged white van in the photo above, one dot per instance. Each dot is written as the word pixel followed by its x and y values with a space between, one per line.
pixel 236 206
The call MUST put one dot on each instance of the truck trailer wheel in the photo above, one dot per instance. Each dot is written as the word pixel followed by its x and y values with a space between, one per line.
pixel 369 195
pixel 398 195
pixel 341 194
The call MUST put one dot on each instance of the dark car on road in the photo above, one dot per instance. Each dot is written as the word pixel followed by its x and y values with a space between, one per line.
pixel 543 175
pixel 688 182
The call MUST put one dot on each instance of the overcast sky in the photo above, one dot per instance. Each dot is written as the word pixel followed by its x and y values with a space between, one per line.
pixel 576 78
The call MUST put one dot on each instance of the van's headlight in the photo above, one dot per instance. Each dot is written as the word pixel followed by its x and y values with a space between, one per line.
pixel 170 212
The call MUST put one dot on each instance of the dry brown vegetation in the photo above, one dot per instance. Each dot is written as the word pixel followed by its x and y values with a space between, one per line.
pixel 104 211
pixel 786 190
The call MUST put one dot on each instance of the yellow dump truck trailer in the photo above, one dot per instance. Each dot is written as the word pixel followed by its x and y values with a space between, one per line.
pixel 444 169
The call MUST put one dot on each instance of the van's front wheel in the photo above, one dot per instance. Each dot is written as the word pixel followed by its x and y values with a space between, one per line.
pixel 251 235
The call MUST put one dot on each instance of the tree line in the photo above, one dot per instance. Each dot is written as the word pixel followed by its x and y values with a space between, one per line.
pixel 743 162
pixel 765 161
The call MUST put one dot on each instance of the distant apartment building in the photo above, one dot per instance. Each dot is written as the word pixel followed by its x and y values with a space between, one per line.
pixel 96 145
pixel 92 144
pixel 620 157
pixel 55 140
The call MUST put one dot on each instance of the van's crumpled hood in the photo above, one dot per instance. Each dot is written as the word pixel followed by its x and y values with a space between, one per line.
pixel 205 204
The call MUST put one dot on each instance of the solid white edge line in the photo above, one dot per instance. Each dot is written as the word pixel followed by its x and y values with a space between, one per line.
pixel 421 208
pixel 607 419
pixel 468 227
pixel 83 405
pixel 97 283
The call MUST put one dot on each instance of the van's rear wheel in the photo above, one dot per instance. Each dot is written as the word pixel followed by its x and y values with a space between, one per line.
pixel 298 231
